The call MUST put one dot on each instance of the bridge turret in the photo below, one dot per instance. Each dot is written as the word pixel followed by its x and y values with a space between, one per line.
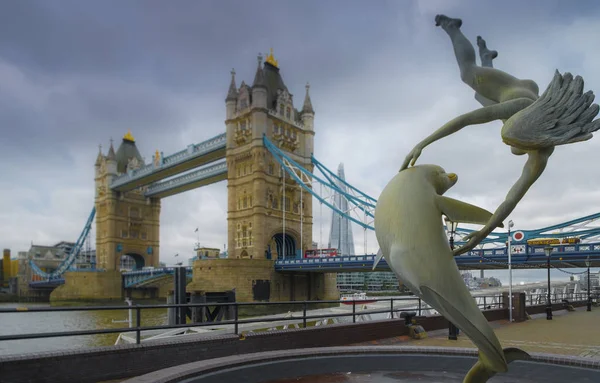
pixel 308 120
pixel 307 113
pixel 259 87
pixel 232 97
pixel 111 162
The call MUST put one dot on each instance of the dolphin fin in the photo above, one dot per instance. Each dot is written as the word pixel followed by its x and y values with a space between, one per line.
pixel 458 211
pixel 377 258
pixel 479 373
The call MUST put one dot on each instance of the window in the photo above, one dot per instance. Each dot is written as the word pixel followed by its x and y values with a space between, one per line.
pixel 281 107
pixel 288 112
pixel 271 168
pixel 133 234
pixel 144 235
pixel 124 233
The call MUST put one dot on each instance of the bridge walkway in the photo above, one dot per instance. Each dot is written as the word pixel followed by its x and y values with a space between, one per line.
pixel 568 333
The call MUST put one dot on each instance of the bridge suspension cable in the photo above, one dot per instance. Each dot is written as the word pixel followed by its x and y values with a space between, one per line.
pixel 360 201
pixel 75 250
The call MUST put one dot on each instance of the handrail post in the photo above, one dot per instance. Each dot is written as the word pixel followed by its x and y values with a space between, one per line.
pixel 391 308
pixel 484 303
pixel 304 314
pixel 138 320
pixel 236 318
pixel 419 306
pixel 353 311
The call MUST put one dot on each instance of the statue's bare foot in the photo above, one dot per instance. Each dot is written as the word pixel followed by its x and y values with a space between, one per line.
pixel 485 54
pixel 447 22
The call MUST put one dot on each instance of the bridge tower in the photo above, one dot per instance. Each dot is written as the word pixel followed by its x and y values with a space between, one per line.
pixel 264 219
pixel 127 223
pixel 268 216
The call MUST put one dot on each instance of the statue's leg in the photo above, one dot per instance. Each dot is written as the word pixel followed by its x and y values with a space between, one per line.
pixel 463 49
pixel 486 55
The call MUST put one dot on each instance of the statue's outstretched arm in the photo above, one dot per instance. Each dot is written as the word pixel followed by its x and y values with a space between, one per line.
pixel 534 167
pixel 501 111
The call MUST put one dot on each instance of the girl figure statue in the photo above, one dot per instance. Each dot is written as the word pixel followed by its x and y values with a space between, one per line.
pixel 533 124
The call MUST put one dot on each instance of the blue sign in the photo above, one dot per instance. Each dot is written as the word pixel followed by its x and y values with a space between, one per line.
pixel 149 250
pixel 119 247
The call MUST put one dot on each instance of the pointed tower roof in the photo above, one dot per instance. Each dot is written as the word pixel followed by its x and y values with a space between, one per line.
pixel 100 157
pixel 127 150
pixel 111 156
pixel 307 107
pixel 232 94
pixel 273 80
pixel 259 77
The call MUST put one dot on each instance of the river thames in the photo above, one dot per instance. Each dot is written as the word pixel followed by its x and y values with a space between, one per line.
pixel 40 322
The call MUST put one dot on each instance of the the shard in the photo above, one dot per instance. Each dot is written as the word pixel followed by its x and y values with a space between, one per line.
pixel 340 236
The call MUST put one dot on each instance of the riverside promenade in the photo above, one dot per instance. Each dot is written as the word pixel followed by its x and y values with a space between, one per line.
pixel 568 333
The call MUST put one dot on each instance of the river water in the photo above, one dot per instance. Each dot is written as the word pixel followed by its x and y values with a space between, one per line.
pixel 40 322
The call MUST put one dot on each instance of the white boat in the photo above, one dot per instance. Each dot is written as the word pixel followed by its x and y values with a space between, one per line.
pixel 362 298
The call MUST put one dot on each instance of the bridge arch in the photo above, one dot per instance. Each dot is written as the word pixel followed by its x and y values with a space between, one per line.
pixel 276 244
pixel 131 261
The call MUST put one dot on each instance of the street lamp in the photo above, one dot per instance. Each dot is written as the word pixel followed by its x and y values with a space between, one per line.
pixel 548 251
pixel 510 302
pixel 451 227
pixel 589 300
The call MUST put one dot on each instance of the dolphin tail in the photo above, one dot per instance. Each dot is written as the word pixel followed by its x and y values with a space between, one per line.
pixel 377 258
pixel 480 373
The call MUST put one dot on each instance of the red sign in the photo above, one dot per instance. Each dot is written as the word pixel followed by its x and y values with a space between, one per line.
pixel 518 236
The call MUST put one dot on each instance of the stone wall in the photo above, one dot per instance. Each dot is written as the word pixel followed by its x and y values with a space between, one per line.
pixel 256 280
pixel 89 286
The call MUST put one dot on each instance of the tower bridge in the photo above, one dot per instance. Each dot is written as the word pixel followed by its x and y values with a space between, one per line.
pixel 266 157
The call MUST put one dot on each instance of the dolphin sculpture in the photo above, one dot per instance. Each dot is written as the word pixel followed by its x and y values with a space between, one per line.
pixel 410 232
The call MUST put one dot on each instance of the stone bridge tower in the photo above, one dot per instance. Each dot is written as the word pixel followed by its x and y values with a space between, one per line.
pixel 127 223
pixel 257 202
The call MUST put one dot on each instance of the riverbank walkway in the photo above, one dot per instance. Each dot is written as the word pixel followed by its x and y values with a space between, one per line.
pixel 568 333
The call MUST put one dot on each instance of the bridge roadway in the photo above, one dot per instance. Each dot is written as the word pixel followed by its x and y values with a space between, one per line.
pixel 563 256
pixel 190 158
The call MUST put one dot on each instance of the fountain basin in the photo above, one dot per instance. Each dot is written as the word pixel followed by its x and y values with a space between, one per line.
pixel 374 364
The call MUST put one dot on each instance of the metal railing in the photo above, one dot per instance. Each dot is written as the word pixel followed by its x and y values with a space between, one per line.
pixel 557 297
pixel 418 308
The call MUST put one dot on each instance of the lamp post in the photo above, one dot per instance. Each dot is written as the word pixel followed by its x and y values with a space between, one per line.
pixel 510 302
pixel 451 227
pixel 548 251
pixel 589 300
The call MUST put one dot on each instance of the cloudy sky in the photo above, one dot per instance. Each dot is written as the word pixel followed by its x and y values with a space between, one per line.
pixel 73 74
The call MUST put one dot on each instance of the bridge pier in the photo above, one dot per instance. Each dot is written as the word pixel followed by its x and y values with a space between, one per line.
pixel 255 280
pixel 89 286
